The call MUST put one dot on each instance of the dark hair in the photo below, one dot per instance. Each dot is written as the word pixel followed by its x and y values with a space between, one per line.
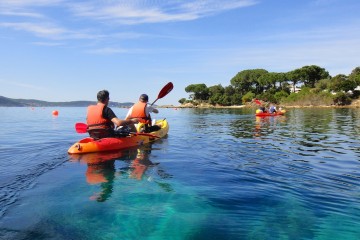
pixel 144 97
pixel 103 95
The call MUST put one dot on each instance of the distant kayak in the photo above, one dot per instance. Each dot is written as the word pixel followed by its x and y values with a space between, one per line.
pixel 89 144
pixel 266 114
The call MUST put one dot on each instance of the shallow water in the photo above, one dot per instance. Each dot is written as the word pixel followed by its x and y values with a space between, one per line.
pixel 219 174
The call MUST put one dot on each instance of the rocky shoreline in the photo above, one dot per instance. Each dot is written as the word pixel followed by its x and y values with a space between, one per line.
pixel 354 104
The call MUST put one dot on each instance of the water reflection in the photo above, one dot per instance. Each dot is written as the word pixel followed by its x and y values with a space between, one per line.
pixel 258 127
pixel 103 174
pixel 101 169
pixel 266 125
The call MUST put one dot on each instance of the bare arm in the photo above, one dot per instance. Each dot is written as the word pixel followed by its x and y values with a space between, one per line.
pixel 118 122
pixel 152 109
pixel 129 114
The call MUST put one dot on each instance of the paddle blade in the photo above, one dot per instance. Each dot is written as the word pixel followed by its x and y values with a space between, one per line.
pixel 165 90
pixel 81 128
pixel 257 102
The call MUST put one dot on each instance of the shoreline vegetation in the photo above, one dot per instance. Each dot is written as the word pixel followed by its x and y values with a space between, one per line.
pixel 354 104
pixel 308 86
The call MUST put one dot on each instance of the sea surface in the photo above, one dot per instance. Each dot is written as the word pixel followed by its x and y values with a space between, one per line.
pixel 219 174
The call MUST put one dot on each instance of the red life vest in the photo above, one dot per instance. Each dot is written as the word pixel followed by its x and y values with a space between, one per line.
pixel 138 111
pixel 95 119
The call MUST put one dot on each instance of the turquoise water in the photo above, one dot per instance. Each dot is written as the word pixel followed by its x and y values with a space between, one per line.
pixel 219 174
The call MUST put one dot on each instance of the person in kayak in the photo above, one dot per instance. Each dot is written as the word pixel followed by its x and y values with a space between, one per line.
pixel 262 108
pixel 142 110
pixel 101 119
pixel 272 108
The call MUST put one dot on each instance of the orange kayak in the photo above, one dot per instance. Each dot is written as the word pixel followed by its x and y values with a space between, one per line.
pixel 89 144
pixel 265 114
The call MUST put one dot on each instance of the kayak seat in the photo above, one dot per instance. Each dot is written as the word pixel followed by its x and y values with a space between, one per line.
pixel 149 129
pixel 122 132
pixel 103 133
pixel 99 133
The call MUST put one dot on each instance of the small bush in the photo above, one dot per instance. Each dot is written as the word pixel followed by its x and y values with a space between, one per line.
pixel 280 95
pixel 306 97
pixel 341 98
pixel 248 97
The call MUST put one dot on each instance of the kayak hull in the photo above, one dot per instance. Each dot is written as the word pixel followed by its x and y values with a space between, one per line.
pixel 88 145
pixel 267 114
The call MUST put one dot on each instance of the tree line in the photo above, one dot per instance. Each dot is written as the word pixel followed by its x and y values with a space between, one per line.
pixel 317 87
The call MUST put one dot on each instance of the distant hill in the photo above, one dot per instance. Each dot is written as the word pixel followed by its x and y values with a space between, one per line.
pixel 10 102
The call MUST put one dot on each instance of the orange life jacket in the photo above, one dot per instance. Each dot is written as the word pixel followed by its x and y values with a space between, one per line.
pixel 95 119
pixel 138 111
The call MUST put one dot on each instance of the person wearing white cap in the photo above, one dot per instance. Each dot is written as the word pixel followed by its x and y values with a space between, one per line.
pixel 141 110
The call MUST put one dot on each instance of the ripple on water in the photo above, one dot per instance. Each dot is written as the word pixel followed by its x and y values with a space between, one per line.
pixel 17 176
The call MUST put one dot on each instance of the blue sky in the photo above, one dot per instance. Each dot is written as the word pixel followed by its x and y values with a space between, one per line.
pixel 62 50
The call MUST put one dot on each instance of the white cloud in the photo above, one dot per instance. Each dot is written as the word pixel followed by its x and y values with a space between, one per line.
pixel 26 8
pixel 28 3
pixel 50 31
pixel 20 14
pixel 107 51
pixel 41 30
pixel 214 6
pixel 125 12
pixel 137 12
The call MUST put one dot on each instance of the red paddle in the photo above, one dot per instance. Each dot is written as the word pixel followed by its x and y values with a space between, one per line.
pixel 164 91
pixel 82 128
pixel 257 102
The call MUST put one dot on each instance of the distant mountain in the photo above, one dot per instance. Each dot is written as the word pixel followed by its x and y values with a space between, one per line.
pixel 10 102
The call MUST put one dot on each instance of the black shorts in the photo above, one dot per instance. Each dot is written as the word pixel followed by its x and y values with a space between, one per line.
pixel 152 128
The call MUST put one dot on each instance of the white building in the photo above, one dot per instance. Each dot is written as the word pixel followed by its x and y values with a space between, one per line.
pixel 297 88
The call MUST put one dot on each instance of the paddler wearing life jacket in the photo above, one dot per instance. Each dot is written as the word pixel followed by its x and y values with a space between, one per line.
pixel 101 119
pixel 142 110
pixel 272 108
pixel 262 109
